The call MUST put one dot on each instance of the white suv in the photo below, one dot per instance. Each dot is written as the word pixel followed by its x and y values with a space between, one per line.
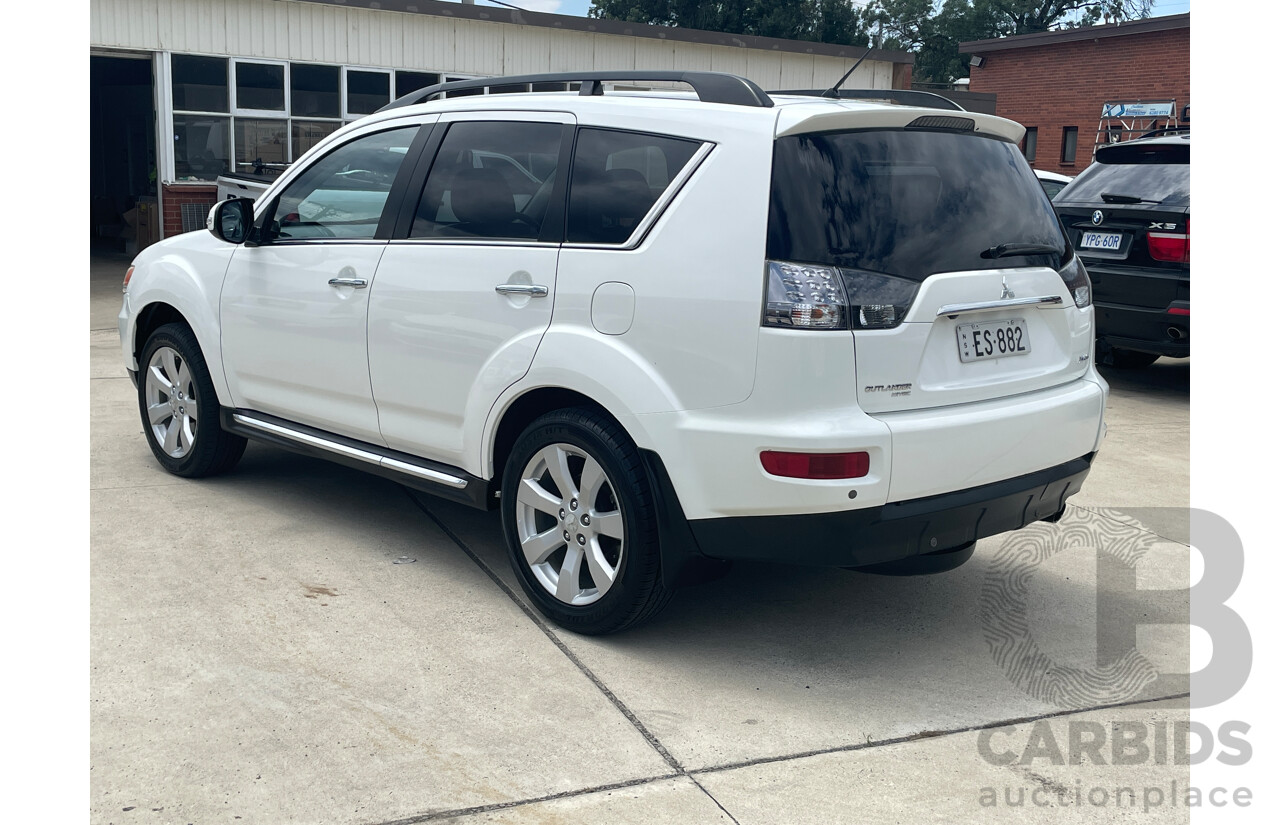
pixel 658 331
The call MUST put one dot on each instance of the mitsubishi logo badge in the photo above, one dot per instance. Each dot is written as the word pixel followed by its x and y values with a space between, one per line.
pixel 1006 292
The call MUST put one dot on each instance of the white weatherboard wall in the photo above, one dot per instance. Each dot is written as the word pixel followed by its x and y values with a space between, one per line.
pixel 316 33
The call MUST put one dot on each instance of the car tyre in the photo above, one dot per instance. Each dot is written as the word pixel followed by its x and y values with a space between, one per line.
pixel 580 521
pixel 179 407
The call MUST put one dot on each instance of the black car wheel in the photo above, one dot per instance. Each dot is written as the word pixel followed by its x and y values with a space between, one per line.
pixel 581 525
pixel 179 407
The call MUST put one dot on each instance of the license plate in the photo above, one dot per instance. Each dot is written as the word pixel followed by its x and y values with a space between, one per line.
pixel 992 339
pixel 1108 241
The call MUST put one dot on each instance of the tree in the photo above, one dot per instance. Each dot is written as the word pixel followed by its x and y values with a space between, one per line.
pixel 826 21
pixel 933 29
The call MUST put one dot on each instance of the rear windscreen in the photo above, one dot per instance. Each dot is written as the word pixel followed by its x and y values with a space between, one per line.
pixel 906 203
pixel 1153 172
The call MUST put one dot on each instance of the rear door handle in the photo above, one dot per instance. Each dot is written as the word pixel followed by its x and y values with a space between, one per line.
pixel 534 290
pixel 358 283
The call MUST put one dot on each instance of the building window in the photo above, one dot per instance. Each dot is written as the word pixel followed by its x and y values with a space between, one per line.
pixel 407 82
pixel 260 86
pixel 315 93
pixel 367 91
pixel 258 116
pixel 200 84
pixel 1069 144
pixel 1029 144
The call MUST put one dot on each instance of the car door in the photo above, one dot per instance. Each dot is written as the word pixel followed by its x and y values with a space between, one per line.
pixel 465 287
pixel 295 306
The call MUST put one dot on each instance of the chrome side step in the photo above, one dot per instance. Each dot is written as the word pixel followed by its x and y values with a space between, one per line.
pixel 348 451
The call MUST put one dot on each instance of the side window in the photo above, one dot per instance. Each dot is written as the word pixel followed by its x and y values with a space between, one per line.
pixel 617 177
pixel 342 194
pixel 490 179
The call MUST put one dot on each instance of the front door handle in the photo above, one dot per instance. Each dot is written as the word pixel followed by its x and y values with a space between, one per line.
pixel 358 283
pixel 533 290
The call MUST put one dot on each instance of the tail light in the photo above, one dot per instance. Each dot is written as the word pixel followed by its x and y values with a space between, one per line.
pixel 810 296
pixel 816 465
pixel 1076 277
pixel 1171 246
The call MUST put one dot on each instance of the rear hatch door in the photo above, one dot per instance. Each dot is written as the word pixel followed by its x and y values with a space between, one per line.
pixel 950 253
pixel 1114 208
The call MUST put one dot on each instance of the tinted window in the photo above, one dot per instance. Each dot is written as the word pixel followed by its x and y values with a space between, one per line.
pixel 1069 134
pixel 342 194
pixel 1157 172
pixel 617 177
pixel 490 179
pixel 413 81
pixel 905 203
pixel 260 86
pixel 199 83
pixel 367 92
pixel 314 90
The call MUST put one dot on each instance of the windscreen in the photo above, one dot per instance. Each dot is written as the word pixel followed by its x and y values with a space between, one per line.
pixel 907 203
pixel 1154 172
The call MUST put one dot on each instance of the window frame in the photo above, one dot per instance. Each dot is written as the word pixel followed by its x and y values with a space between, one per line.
pixel 166 156
pixel 553 225
pixel 391 209
pixel 257 114
pixel 1030 142
pixel 1074 132
pixel 349 116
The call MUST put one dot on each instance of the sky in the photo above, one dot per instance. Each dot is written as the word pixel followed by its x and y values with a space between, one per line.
pixel 579 7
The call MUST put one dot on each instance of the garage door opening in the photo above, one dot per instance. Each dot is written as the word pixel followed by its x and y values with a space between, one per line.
pixel 123 211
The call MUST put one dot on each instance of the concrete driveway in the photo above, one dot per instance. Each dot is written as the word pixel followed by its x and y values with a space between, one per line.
pixel 297 642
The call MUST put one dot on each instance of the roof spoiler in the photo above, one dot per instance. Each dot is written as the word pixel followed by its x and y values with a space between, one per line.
pixel 904 97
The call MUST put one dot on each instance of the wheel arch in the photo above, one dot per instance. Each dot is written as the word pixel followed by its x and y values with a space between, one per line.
pixel 520 411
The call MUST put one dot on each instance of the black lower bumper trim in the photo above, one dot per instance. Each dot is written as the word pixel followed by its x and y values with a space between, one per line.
pixel 900 530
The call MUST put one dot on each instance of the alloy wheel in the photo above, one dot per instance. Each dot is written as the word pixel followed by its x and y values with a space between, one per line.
pixel 569 524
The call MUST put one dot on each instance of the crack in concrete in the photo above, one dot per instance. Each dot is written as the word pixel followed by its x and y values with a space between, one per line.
pixel 555 640
pixel 680 770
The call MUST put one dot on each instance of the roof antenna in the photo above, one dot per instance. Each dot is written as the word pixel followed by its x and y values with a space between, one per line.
pixel 834 91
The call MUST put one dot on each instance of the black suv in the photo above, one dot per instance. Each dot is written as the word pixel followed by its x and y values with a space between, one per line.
pixel 1129 217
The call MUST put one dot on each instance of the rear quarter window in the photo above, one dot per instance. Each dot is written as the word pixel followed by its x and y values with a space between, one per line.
pixel 617 177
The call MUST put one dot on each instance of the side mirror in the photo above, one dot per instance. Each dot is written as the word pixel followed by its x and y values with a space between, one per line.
pixel 231 220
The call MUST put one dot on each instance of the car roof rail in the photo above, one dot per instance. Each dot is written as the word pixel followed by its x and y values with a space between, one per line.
pixel 711 87
pixel 906 97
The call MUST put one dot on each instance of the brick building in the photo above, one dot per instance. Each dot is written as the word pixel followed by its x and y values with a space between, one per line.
pixel 1055 83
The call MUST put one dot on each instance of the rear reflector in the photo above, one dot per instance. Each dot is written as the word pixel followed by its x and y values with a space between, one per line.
pixel 1180 311
pixel 816 465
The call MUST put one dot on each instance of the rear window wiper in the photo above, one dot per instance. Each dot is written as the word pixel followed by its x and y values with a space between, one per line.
pixel 1004 250
pixel 1108 197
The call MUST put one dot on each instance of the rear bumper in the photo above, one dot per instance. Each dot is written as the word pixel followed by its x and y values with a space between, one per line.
pixel 1143 329
pixel 895 531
